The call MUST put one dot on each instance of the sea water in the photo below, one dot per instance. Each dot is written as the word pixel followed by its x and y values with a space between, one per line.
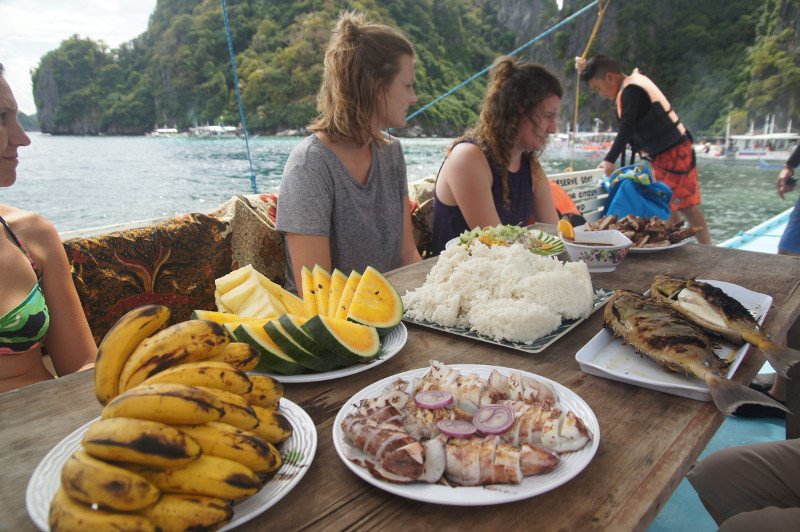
pixel 83 182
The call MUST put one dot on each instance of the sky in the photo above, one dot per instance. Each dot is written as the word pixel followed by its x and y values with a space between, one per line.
pixel 31 28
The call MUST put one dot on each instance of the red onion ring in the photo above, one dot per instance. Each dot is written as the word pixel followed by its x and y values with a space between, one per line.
pixel 433 399
pixel 456 428
pixel 493 419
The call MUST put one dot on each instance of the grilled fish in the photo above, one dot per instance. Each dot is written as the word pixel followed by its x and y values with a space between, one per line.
pixel 654 329
pixel 718 313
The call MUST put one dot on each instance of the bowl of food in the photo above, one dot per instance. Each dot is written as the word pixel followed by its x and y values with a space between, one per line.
pixel 602 251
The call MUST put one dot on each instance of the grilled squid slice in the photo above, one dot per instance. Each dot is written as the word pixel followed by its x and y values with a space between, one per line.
pixel 546 425
pixel 482 461
pixel 394 453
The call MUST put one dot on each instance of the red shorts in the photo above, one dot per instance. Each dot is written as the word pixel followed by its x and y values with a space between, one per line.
pixel 675 168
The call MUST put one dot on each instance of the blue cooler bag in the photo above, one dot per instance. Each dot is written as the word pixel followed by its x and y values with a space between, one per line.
pixel 633 190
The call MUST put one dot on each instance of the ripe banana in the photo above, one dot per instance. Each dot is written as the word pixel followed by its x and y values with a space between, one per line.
pixel 239 354
pixel 225 441
pixel 120 342
pixel 188 341
pixel 180 512
pixel 208 475
pixel 92 481
pixel 173 404
pixel 67 514
pixel 237 411
pixel 122 439
pixel 207 373
pixel 266 392
pixel 273 426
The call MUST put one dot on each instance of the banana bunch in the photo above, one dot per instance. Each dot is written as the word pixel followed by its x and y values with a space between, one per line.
pixel 184 430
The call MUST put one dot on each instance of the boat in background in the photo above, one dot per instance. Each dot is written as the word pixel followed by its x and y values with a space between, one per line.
pixel 581 145
pixel 764 237
pixel 762 148
pixel 217 131
pixel 165 132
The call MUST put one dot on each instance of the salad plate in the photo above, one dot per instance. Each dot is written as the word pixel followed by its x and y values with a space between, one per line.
pixel 606 356
pixel 297 453
pixel 570 465
pixel 601 295
pixel 391 344
pixel 536 240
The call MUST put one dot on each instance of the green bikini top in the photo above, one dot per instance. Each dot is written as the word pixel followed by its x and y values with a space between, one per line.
pixel 23 327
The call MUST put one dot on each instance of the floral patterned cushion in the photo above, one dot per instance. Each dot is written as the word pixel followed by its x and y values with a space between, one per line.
pixel 255 240
pixel 420 193
pixel 172 263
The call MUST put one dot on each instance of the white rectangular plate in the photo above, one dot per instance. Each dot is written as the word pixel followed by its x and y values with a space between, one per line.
pixel 601 295
pixel 605 356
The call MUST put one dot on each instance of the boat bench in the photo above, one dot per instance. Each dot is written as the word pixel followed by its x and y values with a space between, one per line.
pixel 174 262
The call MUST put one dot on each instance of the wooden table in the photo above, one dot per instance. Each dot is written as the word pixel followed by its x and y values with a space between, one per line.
pixel 648 442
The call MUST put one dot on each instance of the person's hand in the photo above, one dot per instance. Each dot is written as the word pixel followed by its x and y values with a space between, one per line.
pixel 607 167
pixel 580 64
pixel 785 182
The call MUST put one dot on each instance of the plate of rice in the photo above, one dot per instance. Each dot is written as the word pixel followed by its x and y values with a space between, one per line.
pixel 535 240
pixel 504 295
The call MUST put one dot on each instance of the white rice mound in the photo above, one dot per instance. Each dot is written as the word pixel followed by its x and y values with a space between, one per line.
pixel 504 293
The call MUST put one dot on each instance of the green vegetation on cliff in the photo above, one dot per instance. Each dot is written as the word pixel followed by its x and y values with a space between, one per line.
pixel 178 71
pixel 712 58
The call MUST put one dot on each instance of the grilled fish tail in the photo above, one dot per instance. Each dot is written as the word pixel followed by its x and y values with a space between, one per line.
pixel 779 357
pixel 729 395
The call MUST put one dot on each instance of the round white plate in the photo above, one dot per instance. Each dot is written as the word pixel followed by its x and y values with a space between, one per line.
pixel 537 233
pixel 391 344
pixel 570 465
pixel 297 453
pixel 633 249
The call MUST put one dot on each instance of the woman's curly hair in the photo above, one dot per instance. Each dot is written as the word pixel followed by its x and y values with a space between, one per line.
pixel 361 60
pixel 515 91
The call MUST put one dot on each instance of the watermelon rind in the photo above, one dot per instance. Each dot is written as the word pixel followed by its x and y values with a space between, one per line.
pixel 292 348
pixel 318 329
pixel 294 328
pixel 273 358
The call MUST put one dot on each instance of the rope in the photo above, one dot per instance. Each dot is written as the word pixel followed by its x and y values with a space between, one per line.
pixel 601 10
pixel 514 52
pixel 239 95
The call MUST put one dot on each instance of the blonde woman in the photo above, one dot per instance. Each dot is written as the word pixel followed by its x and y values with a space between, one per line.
pixel 38 302
pixel 343 200
pixel 492 173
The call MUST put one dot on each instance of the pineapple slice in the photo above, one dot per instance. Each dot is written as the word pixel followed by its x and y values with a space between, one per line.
pixel 228 282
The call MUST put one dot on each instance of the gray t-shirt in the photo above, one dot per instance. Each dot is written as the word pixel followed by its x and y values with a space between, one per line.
pixel 364 223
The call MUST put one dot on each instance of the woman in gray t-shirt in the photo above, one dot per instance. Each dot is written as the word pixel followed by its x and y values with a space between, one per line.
pixel 343 200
